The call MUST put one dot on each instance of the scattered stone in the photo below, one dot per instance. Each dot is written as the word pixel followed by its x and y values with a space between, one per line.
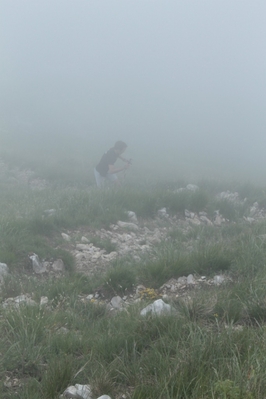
pixel 249 219
pixel 203 213
pixel 58 265
pixel 237 328
pixel 190 279
pixel 85 247
pixel 78 392
pixel 126 225
pixel 70 392
pixel 19 300
pixel 24 299
pixel 189 214
pixel 182 280
pixel 205 220
pixel 179 190
pixel 195 221
pixel 117 302
pixel 217 221
pixel 218 280
pixel 66 237
pixel 158 307
pixel 254 209
pixel 162 213
pixel 227 195
pixel 132 216
pixel 44 301
pixel 12 382
pixel 62 330
pixel 192 187
pixel 85 240
pixel 37 265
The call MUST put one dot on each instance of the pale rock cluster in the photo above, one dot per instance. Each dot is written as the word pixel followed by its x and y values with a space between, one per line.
pixel 190 187
pixel 80 391
pixel 23 300
pixel 172 289
pixel 15 176
pixel 255 213
pixel 129 240
pixel 231 197
pixel 40 267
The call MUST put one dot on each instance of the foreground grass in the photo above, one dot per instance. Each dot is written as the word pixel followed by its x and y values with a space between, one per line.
pixel 187 355
pixel 212 346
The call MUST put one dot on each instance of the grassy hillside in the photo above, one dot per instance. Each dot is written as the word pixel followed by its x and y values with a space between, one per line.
pixel 211 346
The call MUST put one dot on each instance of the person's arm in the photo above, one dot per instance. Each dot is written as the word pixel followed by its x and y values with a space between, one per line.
pixel 124 159
pixel 113 169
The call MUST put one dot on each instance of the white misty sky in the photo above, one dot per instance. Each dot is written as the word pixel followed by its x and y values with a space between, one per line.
pixel 184 76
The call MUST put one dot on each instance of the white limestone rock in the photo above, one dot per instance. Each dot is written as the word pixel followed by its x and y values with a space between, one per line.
pixel 229 196
pixel 19 300
pixel 179 190
pixel 70 392
pixel 217 220
pixel 189 214
pixel 182 280
pixel 37 265
pixel 117 302
pixel 78 392
pixel 192 187
pixel 84 247
pixel 218 280
pixel 26 299
pixel 158 307
pixel 194 221
pixel 127 225
pixel 190 279
pixel 85 240
pixel 3 271
pixel 66 237
pixel 249 219
pixel 132 216
pixel 162 213
pixel 58 265
pixel 254 209
pixel 44 301
pixel 205 220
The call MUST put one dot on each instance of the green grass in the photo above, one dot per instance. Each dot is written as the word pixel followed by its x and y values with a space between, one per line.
pixel 196 353
pixel 212 346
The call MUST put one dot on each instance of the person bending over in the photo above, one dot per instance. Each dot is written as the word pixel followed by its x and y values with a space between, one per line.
pixel 105 170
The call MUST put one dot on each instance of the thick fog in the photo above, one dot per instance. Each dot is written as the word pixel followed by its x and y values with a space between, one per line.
pixel 182 82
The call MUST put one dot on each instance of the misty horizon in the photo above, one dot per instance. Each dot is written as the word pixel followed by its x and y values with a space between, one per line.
pixel 183 83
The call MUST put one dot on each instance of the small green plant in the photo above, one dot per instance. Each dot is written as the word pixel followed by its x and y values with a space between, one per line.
pixel 227 389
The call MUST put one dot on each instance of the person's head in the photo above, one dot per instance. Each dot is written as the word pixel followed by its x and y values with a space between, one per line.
pixel 120 147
